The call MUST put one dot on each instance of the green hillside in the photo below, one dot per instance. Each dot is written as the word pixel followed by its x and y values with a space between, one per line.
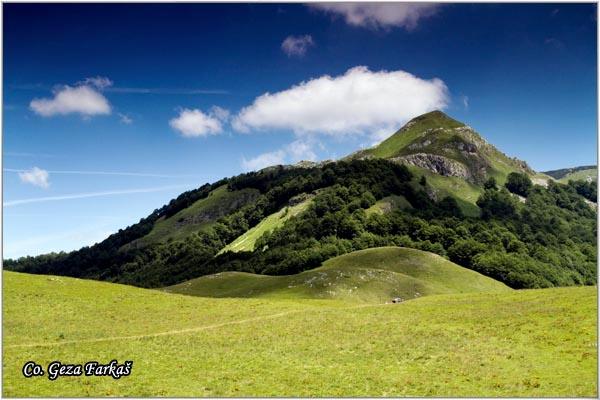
pixel 456 157
pixel 575 173
pixel 246 241
pixel 581 175
pixel 507 344
pixel 448 147
pixel 413 130
pixel 372 275
pixel 200 216
pixel 463 191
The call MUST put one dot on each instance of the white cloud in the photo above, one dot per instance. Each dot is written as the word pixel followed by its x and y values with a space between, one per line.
pixel 357 102
pixel 194 123
pixel 114 173
pixel 35 176
pixel 88 195
pixel 100 82
pixel 298 150
pixel 83 99
pixel 465 101
pixel 219 113
pixel 380 15
pixel 264 160
pixel 301 150
pixel 381 134
pixel 125 119
pixel 296 45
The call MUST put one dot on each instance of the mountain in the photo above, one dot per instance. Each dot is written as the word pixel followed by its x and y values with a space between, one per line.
pixel 426 187
pixel 447 147
pixel 585 173
pixel 453 157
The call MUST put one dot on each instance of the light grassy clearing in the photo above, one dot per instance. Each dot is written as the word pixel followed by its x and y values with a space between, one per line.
pixel 388 204
pixel 199 216
pixel 373 275
pixel 246 241
pixel 515 343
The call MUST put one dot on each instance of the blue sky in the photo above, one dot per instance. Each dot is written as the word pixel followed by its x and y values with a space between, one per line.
pixel 111 110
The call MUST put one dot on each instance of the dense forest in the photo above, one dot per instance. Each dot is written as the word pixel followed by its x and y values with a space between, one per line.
pixel 526 236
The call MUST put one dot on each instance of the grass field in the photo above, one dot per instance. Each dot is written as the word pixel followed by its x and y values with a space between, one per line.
pixel 246 241
pixel 516 343
pixel 373 275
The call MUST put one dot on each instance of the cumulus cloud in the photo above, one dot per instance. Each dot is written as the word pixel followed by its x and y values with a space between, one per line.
pixel 301 150
pixel 296 46
pixel 380 15
pixel 219 113
pixel 83 99
pixel 264 160
pixel 125 119
pixel 194 123
pixel 357 102
pixel 36 177
pixel 298 150
pixel 101 82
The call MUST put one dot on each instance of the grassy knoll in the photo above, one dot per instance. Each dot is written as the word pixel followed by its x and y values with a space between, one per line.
pixel 516 343
pixel 246 241
pixel 372 275
pixel 200 215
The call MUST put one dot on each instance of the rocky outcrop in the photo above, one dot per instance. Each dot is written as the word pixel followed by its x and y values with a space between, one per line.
pixel 435 163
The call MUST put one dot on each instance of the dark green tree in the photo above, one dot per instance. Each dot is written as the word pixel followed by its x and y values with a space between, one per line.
pixel 518 183
pixel 496 204
pixel 490 183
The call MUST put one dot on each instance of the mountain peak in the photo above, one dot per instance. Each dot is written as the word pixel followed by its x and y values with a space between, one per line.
pixel 439 143
pixel 433 119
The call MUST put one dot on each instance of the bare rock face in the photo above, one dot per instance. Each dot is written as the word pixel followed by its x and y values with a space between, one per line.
pixel 435 163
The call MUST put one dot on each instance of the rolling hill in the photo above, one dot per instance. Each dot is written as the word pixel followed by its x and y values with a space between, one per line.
pixel 372 275
pixel 585 173
pixel 526 343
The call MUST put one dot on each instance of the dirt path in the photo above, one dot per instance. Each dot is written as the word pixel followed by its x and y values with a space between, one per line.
pixel 178 331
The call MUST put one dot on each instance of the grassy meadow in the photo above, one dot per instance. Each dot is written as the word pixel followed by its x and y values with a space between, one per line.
pixel 511 343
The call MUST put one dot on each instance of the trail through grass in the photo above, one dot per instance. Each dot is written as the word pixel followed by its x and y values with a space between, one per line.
pixel 516 343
